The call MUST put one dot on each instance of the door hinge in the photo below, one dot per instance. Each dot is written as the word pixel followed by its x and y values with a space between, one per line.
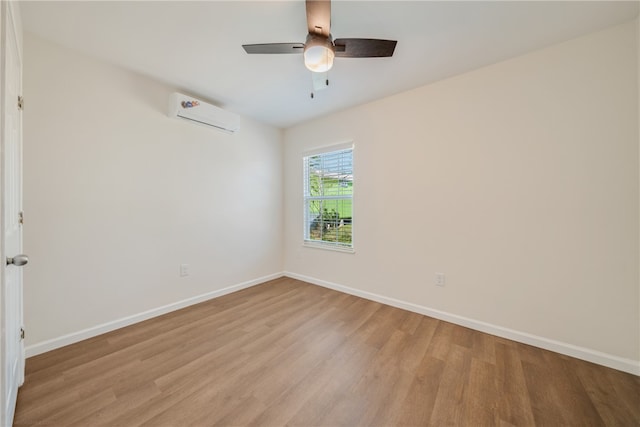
pixel 21 333
pixel 21 217
pixel 20 103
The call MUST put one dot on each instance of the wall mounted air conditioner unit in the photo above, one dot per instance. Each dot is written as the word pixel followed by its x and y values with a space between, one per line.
pixel 199 112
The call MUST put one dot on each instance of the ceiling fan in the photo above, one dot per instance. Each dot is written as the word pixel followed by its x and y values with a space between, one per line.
pixel 319 50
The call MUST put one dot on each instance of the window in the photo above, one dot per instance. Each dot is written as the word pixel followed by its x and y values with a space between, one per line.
pixel 328 198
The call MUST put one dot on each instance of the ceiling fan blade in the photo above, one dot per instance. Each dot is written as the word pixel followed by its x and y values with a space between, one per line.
pixel 319 17
pixel 364 48
pixel 269 48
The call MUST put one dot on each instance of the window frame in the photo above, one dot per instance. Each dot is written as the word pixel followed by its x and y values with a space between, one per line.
pixel 321 244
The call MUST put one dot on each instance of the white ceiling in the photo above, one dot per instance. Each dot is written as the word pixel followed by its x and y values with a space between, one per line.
pixel 196 46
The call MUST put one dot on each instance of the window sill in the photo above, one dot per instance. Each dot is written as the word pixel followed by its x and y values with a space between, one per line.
pixel 329 247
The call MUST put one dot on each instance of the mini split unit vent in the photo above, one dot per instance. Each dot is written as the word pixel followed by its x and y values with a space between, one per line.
pixel 199 112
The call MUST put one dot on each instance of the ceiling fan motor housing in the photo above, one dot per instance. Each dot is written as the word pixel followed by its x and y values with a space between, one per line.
pixel 319 53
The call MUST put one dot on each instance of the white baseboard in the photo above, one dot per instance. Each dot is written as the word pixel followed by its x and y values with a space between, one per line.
pixel 594 356
pixel 611 361
pixel 64 340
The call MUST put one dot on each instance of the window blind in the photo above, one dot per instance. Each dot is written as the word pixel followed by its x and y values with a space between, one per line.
pixel 328 198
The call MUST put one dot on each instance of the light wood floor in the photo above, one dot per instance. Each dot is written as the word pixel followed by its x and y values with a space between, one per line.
pixel 287 352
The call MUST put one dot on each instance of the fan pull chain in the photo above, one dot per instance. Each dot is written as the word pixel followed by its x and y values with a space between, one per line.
pixel 326 81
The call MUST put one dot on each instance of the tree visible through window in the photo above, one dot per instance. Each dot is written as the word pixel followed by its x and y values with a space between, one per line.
pixel 328 198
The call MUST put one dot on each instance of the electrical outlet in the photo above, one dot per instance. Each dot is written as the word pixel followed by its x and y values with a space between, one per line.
pixel 440 279
pixel 184 270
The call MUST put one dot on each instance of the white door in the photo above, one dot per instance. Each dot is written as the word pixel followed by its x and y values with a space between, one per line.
pixel 12 346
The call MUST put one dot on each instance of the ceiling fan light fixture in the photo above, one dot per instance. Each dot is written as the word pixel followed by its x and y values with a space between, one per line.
pixel 318 53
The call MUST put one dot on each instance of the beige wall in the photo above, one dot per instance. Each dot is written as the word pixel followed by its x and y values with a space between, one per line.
pixel 519 181
pixel 117 196
pixel 638 112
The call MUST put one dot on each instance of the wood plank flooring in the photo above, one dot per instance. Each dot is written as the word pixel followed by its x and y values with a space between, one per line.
pixel 286 352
